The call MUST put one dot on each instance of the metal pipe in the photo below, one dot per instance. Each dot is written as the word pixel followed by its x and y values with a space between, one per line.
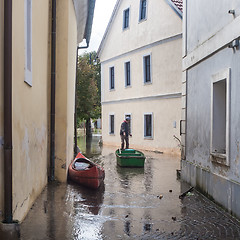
pixel 53 93
pixel 8 218
pixel 75 113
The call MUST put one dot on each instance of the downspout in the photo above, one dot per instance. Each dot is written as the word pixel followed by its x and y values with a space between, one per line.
pixel 75 113
pixel 53 93
pixel 8 218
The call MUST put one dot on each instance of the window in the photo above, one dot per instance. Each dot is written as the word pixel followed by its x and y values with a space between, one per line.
pixel 28 42
pixel 148 125
pixel 127 74
pixel 147 69
pixel 111 124
pixel 220 117
pixel 111 73
pixel 126 18
pixel 143 10
pixel 130 122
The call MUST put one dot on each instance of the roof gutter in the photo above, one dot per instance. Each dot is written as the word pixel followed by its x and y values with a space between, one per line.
pixel 8 215
pixel 53 93
pixel 88 29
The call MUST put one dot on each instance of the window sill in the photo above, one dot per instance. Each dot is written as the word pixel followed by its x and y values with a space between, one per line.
pixel 142 20
pixel 220 158
pixel 147 83
pixel 148 138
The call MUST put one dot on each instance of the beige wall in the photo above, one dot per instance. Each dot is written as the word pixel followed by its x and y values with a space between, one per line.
pixel 163 124
pixel 1 106
pixel 30 133
pixel 162 22
pixel 65 83
pixel 160 37
pixel 31 104
pixel 166 72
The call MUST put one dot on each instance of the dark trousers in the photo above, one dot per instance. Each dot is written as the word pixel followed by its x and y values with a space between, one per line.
pixel 126 139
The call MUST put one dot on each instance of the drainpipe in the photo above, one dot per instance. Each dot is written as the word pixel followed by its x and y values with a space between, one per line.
pixel 75 114
pixel 53 93
pixel 8 218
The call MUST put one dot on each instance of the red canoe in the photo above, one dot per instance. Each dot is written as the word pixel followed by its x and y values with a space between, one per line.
pixel 85 172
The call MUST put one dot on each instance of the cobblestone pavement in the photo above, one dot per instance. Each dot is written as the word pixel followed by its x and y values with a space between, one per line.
pixel 132 204
pixel 200 219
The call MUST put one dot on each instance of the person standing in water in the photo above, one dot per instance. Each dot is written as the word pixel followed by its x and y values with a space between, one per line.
pixel 124 133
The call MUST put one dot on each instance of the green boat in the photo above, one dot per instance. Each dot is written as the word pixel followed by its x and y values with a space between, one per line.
pixel 130 158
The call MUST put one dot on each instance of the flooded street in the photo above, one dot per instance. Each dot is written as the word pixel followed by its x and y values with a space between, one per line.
pixel 132 203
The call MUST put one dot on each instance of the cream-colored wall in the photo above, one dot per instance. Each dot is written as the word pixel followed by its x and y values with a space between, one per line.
pixel 162 22
pixel 166 72
pixel 163 124
pixel 30 133
pixel 1 106
pixel 159 36
pixel 72 38
pixel 65 79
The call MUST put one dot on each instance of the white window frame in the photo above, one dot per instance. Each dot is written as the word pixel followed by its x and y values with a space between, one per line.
pixel 140 9
pixel 144 122
pixel 144 69
pixel 220 157
pixel 125 73
pixel 124 11
pixel 110 80
pixel 28 41
pixel 111 133
pixel 130 126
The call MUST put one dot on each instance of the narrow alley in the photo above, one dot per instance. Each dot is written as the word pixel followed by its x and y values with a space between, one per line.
pixel 132 204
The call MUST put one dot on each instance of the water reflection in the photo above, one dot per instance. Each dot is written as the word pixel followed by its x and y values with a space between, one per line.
pixel 90 198
pixel 125 207
pixel 89 145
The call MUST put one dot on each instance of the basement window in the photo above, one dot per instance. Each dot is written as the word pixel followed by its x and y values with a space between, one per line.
pixel 111 124
pixel 148 125
pixel 220 104
pixel 28 42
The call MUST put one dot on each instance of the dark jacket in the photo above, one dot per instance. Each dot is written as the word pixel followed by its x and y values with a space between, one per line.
pixel 124 128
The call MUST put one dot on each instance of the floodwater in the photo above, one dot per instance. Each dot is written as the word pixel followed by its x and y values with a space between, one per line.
pixel 133 203
pixel 127 204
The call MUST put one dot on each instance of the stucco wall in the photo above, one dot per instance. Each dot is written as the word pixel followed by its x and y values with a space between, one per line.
pixel 30 133
pixel 160 37
pixel 166 72
pixel 208 37
pixel 162 22
pixel 199 113
pixel 65 79
pixel 1 105
pixel 138 99
pixel 216 16
pixel 163 124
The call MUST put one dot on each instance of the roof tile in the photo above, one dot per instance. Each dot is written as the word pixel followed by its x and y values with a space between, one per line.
pixel 179 4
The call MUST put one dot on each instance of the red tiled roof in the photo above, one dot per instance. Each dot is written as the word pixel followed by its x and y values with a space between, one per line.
pixel 179 4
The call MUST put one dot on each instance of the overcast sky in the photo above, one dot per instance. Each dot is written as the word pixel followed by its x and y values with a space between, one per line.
pixel 102 13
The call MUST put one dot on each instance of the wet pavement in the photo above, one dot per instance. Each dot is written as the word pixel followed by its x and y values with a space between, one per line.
pixel 140 203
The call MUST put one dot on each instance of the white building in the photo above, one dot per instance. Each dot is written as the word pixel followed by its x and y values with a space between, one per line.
pixel 211 84
pixel 141 65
